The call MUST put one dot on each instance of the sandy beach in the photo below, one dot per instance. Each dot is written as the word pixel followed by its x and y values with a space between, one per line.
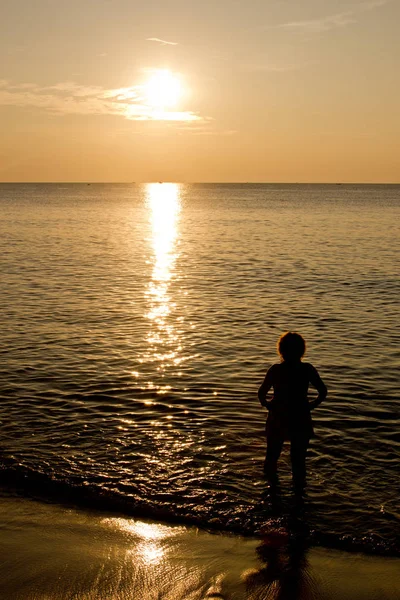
pixel 50 552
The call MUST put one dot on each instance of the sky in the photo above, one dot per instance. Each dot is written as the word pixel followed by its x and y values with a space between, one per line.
pixel 210 90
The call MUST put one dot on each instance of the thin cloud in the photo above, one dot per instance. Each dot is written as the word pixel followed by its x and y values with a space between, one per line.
pixel 70 98
pixel 371 4
pixel 322 24
pixel 335 21
pixel 159 41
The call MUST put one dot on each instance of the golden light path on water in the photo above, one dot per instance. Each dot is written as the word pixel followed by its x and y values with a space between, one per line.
pixel 149 539
pixel 164 203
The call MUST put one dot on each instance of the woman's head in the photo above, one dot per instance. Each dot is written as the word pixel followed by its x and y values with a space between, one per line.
pixel 291 346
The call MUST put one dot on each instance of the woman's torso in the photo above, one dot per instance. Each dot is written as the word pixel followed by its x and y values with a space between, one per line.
pixel 289 412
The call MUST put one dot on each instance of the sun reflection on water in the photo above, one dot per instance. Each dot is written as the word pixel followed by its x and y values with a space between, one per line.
pixel 147 540
pixel 164 202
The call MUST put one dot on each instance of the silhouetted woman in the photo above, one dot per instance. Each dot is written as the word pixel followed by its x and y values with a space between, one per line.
pixel 289 415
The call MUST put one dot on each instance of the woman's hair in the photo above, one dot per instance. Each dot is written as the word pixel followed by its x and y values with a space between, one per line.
pixel 291 346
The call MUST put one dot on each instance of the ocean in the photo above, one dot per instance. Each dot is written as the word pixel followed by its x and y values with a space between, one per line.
pixel 138 321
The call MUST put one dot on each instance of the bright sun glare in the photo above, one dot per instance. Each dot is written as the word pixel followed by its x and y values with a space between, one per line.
pixel 163 90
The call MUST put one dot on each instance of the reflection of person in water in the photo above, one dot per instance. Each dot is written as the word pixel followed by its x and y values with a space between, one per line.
pixel 286 574
pixel 289 415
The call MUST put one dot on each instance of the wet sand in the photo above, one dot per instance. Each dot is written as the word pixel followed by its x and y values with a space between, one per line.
pixel 49 552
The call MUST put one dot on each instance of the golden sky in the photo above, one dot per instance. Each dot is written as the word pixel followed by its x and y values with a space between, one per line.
pixel 217 90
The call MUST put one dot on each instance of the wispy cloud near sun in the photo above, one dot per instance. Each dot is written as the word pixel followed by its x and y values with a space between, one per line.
pixel 333 21
pixel 68 98
pixel 164 42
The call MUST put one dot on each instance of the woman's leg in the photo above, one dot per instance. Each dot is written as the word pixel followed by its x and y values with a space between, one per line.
pixel 298 451
pixel 274 449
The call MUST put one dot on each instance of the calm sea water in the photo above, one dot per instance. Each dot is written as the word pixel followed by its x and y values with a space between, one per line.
pixel 137 322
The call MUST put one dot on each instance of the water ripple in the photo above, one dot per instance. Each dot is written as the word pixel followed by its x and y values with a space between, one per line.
pixel 137 324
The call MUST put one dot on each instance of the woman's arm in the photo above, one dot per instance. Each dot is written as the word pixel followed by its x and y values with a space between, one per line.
pixel 319 385
pixel 265 387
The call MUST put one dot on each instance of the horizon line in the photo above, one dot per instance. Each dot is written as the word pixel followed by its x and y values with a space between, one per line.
pixel 88 182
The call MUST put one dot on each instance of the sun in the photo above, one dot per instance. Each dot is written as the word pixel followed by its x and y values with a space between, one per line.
pixel 163 90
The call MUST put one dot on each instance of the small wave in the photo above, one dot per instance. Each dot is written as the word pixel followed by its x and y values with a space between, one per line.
pixel 19 481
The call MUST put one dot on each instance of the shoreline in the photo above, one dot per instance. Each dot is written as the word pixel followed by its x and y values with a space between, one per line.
pixel 284 509
pixel 52 552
